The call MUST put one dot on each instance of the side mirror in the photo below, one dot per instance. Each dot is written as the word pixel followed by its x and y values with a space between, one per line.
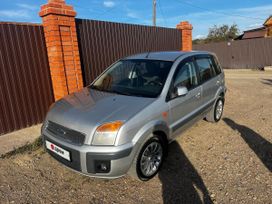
pixel 182 90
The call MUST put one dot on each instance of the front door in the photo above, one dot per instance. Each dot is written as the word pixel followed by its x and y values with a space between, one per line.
pixel 183 108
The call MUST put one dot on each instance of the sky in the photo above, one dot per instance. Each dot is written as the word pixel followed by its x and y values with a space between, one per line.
pixel 202 14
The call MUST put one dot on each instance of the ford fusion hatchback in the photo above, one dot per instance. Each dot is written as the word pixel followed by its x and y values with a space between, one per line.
pixel 123 122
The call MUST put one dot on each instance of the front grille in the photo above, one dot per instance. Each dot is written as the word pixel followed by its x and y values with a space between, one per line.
pixel 65 134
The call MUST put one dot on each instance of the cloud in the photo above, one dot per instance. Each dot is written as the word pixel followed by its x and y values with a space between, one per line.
pixel 13 14
pixel 109 4
pixel 28 6
pixel 23 11
pixel 256 9
pixel 255 25
pixel 138 17
pixel 203 20
pixel 132 14
pixel 199 36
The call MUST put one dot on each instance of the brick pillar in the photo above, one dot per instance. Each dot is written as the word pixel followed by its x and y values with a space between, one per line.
pixel 186 35
pixel 62 47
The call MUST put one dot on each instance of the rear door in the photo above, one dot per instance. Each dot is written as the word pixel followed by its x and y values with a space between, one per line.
pixel 182 108
pixel 208 78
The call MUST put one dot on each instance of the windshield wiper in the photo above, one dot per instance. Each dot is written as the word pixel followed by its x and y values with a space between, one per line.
pixel 121 93
pixel 94 87
pixel 109 91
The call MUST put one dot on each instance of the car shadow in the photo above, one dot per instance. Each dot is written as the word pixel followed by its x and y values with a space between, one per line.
pixel 267 81
pixel 261 147
pixel 181 182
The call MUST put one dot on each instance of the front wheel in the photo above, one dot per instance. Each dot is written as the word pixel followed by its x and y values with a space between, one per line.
pixel 150 158
pixel 216 112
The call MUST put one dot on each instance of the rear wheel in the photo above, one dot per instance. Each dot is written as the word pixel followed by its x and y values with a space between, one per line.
pixel 216 112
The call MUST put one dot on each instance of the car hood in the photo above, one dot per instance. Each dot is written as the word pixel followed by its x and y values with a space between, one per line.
pixel 85 110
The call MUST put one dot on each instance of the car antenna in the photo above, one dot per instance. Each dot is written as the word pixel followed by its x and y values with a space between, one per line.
pixel 147 54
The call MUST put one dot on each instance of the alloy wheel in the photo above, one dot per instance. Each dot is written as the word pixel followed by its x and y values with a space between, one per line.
pixel 151 159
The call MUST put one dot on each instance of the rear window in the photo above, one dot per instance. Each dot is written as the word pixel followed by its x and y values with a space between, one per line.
pixel 216 66
pixel 205 68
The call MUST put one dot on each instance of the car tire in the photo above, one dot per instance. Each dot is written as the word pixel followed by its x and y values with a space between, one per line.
pixel 216 112
pixel 147 163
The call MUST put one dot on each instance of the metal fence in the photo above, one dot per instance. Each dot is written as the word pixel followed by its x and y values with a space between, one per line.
pixel 245 54
pixel 25 86
pixel 101 43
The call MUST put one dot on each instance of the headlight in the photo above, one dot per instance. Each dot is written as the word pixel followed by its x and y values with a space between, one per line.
pixel 106 134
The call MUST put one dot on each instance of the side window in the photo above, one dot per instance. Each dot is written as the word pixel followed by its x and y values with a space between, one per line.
pixel 185 76
pixel 216 66
pixel 205 66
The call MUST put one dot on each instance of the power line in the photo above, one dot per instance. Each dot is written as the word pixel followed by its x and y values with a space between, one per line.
pixel 96 13
pixel 162 13
pixel 219 12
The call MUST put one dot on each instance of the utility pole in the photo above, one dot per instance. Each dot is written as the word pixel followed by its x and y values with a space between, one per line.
pixel 154 12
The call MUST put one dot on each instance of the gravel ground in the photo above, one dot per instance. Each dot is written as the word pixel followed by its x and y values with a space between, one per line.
pixel 227 162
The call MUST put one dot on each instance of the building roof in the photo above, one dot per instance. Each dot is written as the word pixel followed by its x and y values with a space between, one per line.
pixel 165 55
pixel 260 32
pixel 255 29
pixel 255 33
pixel 268 21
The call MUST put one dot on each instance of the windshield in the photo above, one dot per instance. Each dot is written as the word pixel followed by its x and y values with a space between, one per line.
pixel 134 77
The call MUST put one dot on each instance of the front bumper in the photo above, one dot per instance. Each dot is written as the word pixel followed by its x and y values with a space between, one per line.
pixel 88 159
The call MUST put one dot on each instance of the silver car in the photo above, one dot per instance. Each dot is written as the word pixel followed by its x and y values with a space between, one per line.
pixel 123 122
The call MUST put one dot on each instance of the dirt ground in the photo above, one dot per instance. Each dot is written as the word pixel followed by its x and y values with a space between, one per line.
pixel 227 162
pixel 19 138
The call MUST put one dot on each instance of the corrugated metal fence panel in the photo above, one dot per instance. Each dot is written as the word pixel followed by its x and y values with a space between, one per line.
pixel 25 86
pixel 102 43
pixel 242 54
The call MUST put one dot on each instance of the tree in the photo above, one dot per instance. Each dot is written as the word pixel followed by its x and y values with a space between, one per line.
pixel 220 33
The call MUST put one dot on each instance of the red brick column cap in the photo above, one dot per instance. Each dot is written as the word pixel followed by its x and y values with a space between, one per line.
pixel 57 7
pixel 185 25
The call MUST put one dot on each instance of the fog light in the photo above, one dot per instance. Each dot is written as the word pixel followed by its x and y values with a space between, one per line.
pixel 102 166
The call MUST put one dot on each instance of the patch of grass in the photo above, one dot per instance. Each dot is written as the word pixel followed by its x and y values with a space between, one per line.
pixel 29 147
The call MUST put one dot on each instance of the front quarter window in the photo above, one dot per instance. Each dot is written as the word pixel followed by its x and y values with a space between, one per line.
pixel 134 77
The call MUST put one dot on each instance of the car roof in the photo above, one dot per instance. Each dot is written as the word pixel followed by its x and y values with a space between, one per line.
pixel 164 55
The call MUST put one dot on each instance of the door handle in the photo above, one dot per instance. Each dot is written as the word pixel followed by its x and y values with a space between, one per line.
pixel 198 95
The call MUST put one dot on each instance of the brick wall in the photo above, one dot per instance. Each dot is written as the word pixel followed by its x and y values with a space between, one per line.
pixel 62 47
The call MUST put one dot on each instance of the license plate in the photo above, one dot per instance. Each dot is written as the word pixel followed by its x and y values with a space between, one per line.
pixel 58 150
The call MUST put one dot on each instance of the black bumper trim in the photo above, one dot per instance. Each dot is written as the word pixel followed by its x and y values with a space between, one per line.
pixel 92 157
pixel 75 155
